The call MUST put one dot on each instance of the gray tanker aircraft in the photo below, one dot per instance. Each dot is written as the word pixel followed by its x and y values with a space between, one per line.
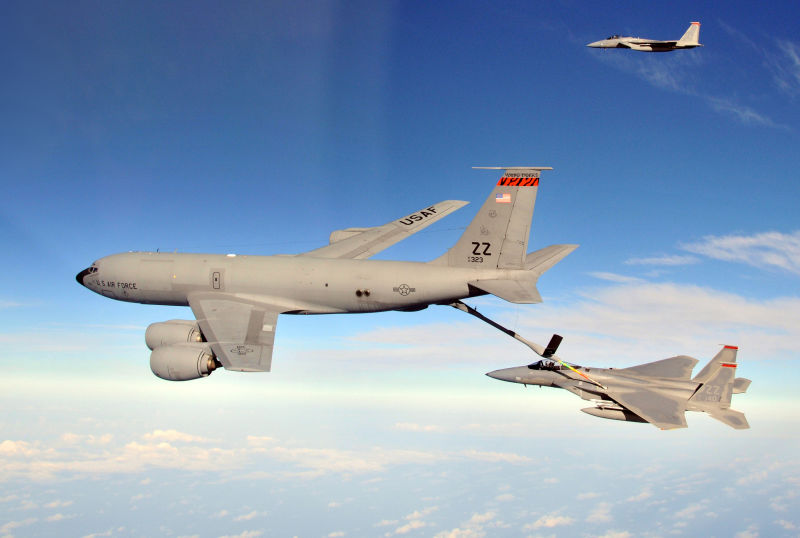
pixel 657 392
pixel 689 40
pixel 236 300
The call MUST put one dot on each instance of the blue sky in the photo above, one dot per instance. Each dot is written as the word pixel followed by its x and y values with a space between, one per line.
pixel 258 129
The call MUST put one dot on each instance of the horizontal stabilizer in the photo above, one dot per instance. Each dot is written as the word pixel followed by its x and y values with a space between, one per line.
pixel 545 258
pixel 734 419
pixel 740 385
pixel 679 367
pixel 513 291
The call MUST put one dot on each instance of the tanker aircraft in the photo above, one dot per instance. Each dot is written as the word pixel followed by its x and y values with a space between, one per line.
pixel 657 392
pixel 236 300
pixel 688 41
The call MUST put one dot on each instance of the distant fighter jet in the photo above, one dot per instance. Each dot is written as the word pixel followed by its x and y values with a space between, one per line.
pixel 657 392
pixel 688 41
pixel 236 300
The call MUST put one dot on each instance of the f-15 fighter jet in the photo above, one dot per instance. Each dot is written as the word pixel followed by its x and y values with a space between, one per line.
pixel 236 300
pixel 657 392
pixel 688 41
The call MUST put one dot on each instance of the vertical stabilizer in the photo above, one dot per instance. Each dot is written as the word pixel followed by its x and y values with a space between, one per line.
pixel 692 35
pixel 497 238
pixel 716 380
pixel 726 357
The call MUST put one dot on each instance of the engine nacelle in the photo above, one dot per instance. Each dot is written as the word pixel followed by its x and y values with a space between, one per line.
pixel 182 362
pixel 174 331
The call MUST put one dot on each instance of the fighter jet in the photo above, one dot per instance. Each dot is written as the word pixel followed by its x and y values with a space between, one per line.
pixel 657 392
pixel 236 300
pixel 688 41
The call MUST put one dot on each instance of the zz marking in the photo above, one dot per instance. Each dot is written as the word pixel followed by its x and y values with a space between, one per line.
pixel 476 249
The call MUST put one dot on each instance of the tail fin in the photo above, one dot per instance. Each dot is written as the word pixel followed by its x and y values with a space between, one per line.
pixel 692 35
pixel 725 359
pixel 497 238
pixel 717 380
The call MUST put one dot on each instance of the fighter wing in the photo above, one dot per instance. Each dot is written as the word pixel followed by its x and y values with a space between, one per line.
pixel 679 367
pixel 360 243
pixel 660 410
pixel 240 332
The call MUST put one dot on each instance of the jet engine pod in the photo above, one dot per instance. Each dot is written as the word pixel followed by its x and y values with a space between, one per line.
pixel 182 362
pixel 174 331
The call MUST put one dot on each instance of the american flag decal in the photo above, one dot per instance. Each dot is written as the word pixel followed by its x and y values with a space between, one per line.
pixel 504 198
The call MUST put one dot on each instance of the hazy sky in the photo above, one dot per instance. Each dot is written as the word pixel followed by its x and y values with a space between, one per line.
pixel 259 128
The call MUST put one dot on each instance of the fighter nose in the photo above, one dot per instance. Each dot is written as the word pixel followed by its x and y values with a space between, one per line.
pixel 505 374
pixel 79 276
pixel 594 44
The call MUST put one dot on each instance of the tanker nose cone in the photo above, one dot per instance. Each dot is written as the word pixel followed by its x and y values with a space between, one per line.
pixel 79 276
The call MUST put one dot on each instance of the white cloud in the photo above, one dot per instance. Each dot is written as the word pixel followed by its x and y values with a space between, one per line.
pixel 411 427
pixel 669 260
pixel 644 494
pixel 244 534
pixel 414 520
pixel 674 74
pixel 173 436
pixel 786 67
pixel 250 515
pixel 506 457
pixel 336 534
pixel 749 532
pixel 600 514
pixel 109 532
pixel 59 517
pixel 787 525
pixel 6 528
pixel 472 528
pixel 614 277
pixel 743 113
pixel 549 521
pixel 616 534
pixel 764 250
pixel 692 510
pixel 417 514
pixel 587 495
pixel 646 321
pixel 504 497
pixel 412 525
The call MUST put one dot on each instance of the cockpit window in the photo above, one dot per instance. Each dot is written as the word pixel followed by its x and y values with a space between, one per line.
pixel 615 36
pixel 548 364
